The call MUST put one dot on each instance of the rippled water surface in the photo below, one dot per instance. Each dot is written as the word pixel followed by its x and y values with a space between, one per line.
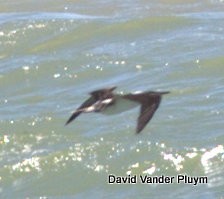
pixel 54 53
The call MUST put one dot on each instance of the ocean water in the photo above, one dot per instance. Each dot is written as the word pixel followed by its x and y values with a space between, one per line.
pixel 54 53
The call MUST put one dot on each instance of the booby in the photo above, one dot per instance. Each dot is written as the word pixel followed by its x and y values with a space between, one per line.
pixel 106 102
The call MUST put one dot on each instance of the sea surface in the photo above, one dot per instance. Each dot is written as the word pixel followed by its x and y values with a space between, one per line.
pixel 53 53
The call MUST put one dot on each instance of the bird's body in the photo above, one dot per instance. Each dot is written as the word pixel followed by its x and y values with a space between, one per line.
pixel 106 102
pixel 120 105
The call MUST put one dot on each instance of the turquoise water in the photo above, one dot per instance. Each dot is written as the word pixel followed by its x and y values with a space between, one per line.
pixel 52 55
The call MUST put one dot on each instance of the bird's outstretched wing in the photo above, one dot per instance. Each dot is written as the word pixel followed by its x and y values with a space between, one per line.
pixel 146 113
pixel 149 103
pixel 97 95
pixel 78 111
pixel 104 93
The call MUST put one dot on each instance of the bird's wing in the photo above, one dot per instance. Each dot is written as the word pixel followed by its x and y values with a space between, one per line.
pixel 146 113
pixel 149 104
pixel 79 110
pixel 102 94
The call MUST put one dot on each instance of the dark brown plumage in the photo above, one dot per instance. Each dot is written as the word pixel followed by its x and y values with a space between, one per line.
pixel 101 100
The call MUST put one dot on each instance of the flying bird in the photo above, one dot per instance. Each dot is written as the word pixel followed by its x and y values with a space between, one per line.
pixel 106 102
